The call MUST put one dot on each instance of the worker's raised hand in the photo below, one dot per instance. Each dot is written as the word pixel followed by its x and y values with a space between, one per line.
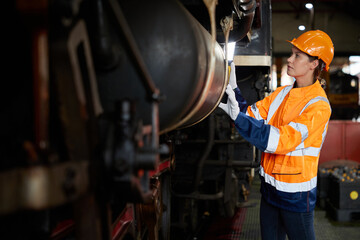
pixel 232 80
pixel 231 107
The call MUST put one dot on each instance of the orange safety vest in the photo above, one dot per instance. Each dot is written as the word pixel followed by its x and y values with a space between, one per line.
pixel 298 119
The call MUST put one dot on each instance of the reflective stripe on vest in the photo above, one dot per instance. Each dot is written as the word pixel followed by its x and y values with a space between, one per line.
pixel 273 141
pixel 310 151
pixel 255 111
pixel 314 100
pixel 302 128
pixel 288 187
pixel 277 102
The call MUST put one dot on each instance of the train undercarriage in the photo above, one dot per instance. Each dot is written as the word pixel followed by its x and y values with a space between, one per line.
pixel 110 125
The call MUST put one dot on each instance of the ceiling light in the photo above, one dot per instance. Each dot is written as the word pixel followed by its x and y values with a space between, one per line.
pixel 309 6
pixel 301 27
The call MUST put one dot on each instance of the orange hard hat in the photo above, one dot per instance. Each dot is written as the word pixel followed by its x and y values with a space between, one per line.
pixel 316 43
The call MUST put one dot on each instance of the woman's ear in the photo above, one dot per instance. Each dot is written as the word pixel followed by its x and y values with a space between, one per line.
pixel 314 64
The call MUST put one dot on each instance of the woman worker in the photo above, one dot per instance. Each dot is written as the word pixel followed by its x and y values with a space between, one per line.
pixel 289 127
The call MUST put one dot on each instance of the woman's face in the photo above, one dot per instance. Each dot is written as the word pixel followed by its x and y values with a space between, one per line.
pixel 299 65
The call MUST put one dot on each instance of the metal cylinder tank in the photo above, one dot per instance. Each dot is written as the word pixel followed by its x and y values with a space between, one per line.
pixel 177 52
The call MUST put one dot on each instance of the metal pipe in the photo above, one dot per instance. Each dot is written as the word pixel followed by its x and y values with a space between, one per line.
pixel 244 16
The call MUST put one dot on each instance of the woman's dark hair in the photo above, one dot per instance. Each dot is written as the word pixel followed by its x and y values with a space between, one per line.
pixel 318 71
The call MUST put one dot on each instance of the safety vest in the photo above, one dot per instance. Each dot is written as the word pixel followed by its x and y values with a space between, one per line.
pixel 298 119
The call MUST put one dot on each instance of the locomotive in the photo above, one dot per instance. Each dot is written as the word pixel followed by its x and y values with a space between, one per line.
pixel 110 125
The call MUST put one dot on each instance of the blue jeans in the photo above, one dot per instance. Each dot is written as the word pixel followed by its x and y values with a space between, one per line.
pixel 276 223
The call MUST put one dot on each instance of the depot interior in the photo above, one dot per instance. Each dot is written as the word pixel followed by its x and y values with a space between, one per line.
pixel 194 180
pixel 338 18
